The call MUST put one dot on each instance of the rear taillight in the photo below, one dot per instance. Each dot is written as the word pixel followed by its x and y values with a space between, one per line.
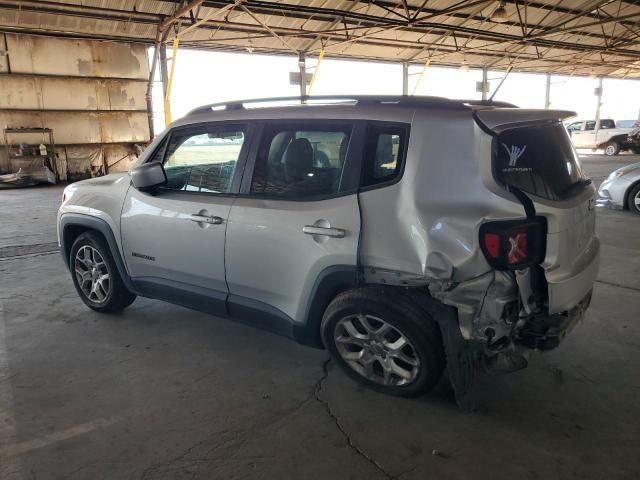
pixel 513 244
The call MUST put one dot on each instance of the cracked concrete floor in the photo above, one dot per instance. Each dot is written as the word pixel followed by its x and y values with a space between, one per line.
pixel 161 392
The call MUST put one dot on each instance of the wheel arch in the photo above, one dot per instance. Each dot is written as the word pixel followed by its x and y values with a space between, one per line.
pixel 329 283
pixel 619 139
pixel 73 225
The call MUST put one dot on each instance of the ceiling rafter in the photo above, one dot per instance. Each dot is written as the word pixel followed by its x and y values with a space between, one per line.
pixel 591 35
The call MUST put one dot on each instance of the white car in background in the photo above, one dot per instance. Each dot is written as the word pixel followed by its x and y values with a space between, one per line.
pixel 621 189
pixel 608 136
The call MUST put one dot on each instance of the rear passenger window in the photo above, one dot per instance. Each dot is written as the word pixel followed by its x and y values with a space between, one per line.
pixel 384 154
pixel 540 160
pixel 203 159
pixel 304 162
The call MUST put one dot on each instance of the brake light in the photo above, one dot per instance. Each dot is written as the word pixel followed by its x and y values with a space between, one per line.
pixel 492 244
pixel 512 245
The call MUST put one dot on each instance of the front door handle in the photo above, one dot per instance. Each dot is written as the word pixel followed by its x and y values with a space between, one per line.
pixel 210 219
pixel 324 231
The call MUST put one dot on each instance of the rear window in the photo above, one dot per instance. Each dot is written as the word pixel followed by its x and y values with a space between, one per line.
pixel 539 160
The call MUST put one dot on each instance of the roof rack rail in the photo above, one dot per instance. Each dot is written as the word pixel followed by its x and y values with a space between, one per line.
pixel 490 103
pixel 403 100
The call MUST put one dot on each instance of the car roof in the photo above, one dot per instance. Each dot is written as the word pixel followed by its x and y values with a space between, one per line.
pixel 386 107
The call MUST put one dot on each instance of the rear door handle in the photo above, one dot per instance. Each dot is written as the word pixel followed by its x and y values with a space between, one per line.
pixel 210 219
pixel 325 231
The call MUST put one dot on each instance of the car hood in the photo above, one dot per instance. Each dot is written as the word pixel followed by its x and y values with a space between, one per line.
pixel 632 169
pixel 105 180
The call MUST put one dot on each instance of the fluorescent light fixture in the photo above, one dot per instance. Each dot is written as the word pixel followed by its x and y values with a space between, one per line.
pixel 499 15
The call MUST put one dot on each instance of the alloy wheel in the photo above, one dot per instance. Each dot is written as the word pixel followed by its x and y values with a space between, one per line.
pixel 636 201
pixel 376 350
pixel 92 274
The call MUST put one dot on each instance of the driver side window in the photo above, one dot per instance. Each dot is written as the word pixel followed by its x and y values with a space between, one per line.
pixel 203 159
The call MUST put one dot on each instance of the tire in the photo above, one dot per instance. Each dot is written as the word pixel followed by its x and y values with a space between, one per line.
pixel 366 322
pixel 633 200
pixel 611 149
pixel 102 288
pixel 636 150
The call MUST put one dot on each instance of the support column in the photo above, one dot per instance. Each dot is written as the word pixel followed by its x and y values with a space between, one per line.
pixel 405 79
pixel 485 83
pixel 302 65
pixel 547 93
pixel 163 68
pixel 506 74
pixel 598 93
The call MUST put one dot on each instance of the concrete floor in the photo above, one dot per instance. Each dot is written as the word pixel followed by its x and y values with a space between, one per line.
pixel 161 392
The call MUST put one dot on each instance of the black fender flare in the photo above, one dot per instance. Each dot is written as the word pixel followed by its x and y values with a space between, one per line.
pixel 331 281
pixel 89 222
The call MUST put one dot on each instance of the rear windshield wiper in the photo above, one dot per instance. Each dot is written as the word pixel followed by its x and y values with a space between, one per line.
pixel 576 187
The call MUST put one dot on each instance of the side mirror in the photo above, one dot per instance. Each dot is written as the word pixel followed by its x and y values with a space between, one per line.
pixel 148 176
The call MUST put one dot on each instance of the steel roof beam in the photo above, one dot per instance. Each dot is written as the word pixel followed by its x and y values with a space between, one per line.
pixel 480 35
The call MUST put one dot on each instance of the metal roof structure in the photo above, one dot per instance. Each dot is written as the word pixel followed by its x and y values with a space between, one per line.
pixel 568 37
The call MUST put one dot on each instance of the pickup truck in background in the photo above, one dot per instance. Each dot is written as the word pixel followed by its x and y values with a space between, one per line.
pixel 608 137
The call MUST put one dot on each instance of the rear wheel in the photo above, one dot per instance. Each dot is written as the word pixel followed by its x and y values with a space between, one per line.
pixel 96 276
pixel 382 339
pixel 633 202
pixel 611 148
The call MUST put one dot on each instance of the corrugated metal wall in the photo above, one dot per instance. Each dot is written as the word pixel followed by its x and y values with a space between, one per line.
pixel 91 93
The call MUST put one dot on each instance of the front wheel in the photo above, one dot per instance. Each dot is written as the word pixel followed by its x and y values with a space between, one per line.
pixel 383 340
pixel 611 149
pixel 96 276
pixel 633 202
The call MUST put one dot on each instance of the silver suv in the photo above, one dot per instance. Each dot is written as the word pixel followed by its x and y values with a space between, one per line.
pixel 402 234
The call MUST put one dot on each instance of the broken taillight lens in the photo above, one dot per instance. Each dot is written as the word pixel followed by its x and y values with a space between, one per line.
pixel 517 246
pixel 511 245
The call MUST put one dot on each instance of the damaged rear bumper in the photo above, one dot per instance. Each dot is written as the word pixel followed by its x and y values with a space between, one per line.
pixel 545 332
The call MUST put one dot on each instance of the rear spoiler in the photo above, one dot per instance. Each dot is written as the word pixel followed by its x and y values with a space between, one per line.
pixel 497 119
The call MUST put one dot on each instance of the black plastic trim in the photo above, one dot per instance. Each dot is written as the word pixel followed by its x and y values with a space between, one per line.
pixel 259 314
pixel 186 295
pixel 330 282
pixel 89 222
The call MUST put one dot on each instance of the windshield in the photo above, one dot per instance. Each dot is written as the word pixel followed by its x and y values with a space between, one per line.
pixel 540 160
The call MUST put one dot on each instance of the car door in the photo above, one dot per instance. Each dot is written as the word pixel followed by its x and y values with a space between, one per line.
pixel 296 217
pixel 604 132
pixel 586 137
pixel 174 237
